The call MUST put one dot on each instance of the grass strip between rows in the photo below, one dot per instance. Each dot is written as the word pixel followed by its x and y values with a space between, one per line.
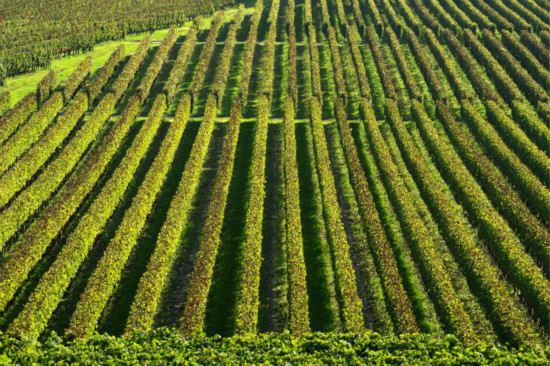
pixel 151 284
pixel 51 287
pixel 209 242
pixel 108 272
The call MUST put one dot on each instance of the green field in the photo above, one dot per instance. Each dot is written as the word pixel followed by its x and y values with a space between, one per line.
pixel 378 169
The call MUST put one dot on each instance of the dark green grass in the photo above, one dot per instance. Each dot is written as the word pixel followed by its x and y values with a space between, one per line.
pixel 61 317
pixel 220 309
pixel 206 87
pixel 175 292
pixel 422 305
pixel 118 308
pixel 327 80
pixel 192 62
pixel 254 85
pixel 323 308
pixel 134 84
pixel 273 309
pixel 303 81
pixel 280 81
pixel 46 261
pixel 233 81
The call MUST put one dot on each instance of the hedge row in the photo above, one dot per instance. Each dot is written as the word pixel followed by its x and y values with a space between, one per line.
pixel 521 11
pixel 528 85
pixel 192 322
pixel 45 87
pixel 508 249
pixel 541 10
pixel 30 132
pixel 239 16
pixel 501 193
pixel 457 234
pixel 460 237
pixel 375 18
pixel 222 72
pixel 410 16
pixel 104 73
pixel 338 70
pixel 358 16
pixel 498 189
pixel 127 74
pixel 5 102
pixel 425 64
pixel 250 47
pixel 539 50
pixel 402 65
pixel 543 110
pixel 504 194
pixel 323 271
pixel 383 72
pixel 292 63
pixel 325 17
pixel 427 16
pixel 484 89
pixel 514 18
pixel 393 19
pixel 461 90
pixel 269 51
pixel 151 284
pixel 206 55
pixel 248 298
pixel 178 69
pixel 297 286
pixel 166 346
pixel 34 318
pixel 317 90
pixel 545 37
pixel 380 307
pixel 73 82
pixel 218 85
pixel 29 249
pixel 358 62
pixel 462 18
pixel 495 16
pixel 529 121
pixel 16 116
pixel 508 89
pixel 446 19
pixel 108 271
pixel 528 184
pixel 308 14
pixel 479 16
pixel 539 72
pixel 422 244
pixel 26 167
pixel 161 57
pixel 273 12
pixel 536 159
pixel 268 61
pixel 398 302
pixel 346 285
pixel 341 12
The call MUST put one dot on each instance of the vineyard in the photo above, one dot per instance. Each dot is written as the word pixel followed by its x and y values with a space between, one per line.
pixel 34 33
pixel 305 166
